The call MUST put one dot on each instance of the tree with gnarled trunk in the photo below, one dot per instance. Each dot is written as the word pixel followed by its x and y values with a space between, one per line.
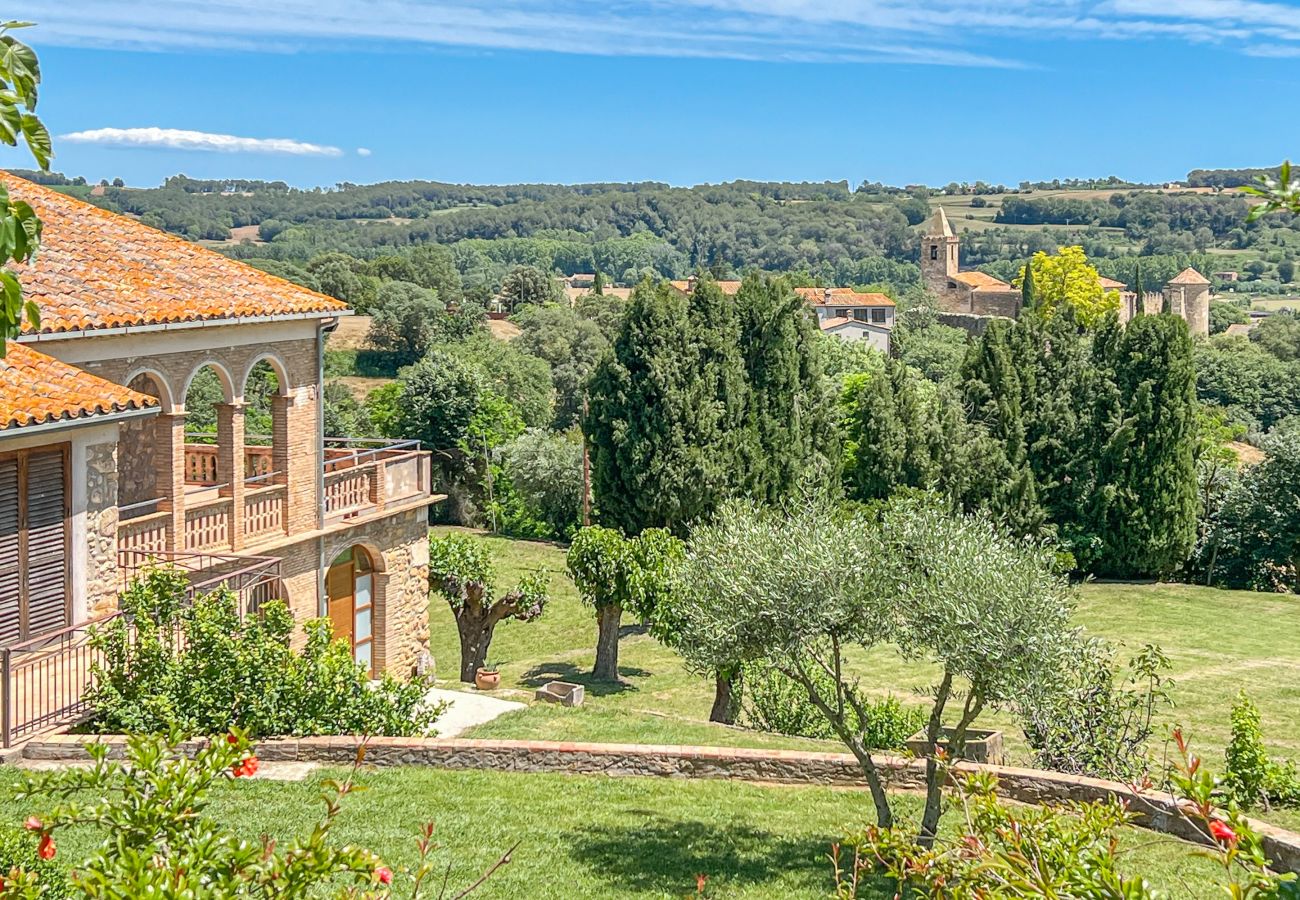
pixel 614 573
pixel 796 590
pixel 461 569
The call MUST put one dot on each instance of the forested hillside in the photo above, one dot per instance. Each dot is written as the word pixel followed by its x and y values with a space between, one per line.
pixel 824 231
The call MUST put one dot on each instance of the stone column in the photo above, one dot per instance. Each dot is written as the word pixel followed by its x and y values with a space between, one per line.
pixel 169 435
pixel 230 466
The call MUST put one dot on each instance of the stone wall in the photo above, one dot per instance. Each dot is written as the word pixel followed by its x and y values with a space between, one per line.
pixel 968 322
pixel 1155 811
pixel 101 575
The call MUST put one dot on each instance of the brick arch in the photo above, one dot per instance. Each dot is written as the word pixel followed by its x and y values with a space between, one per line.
pixel 223 375
pixel 277 365
pixel 162 386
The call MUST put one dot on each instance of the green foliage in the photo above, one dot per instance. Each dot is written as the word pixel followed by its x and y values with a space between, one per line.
pixel 344 416
pixel 544 470
pixel 1253 540
pixel 405 319
pixel 630 573
pixel 1066 279
pixel 20 229
pixel 18 850
pixel 571 344
pixel 159 840
pixel 1278 193
pixel 198 667
pixel 461 570
pixel 1224 314
pixel 1250 776
pixel 527 285
pixel 775 702
pixel 509 372
pixel 1088 718
pixel 438 397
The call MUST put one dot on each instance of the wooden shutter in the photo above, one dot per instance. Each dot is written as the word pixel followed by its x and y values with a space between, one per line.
pixel 47 541
pixel 11 617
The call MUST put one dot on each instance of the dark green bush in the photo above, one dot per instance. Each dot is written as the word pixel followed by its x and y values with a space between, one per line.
pixel 773 702
pixel 200 668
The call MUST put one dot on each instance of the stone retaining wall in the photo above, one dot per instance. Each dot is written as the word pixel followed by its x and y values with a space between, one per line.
pixel 1157 812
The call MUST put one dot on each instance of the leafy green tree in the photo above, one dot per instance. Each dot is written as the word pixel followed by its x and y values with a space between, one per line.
pixel 510 372
pixel 572 345
pixel 528 284
pixel 614 573
pixel 1067 279
pixel 344 416
pixel 1279 334
pixel 461 570
pixel 20 229
pixel 1224 314
pixel 438 398
pixel 797 590
pixel 405 319
pixel 598 284
pixel 545 470
pixel 435 268
pixel 391 268
pixel 340 276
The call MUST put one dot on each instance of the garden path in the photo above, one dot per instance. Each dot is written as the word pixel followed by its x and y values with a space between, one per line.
pixel 467 709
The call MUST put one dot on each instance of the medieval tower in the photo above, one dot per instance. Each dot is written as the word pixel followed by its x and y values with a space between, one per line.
pixel 938 253
pixel 1187 294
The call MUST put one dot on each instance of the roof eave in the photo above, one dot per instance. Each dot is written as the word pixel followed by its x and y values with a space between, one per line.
pixel 121 415
pixel 37 337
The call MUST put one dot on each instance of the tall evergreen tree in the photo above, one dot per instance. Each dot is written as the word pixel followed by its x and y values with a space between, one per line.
pixel 652 422
pixel 788 424
pixel 1139 308
pixel 1028 296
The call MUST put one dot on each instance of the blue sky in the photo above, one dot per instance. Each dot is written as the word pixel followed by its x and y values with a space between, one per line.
pixel 683 91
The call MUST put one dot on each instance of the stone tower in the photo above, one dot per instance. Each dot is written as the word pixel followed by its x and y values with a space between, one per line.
pixel 938 253
pixel 1188 295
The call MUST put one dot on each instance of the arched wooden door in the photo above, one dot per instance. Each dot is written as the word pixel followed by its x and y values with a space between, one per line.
pixel 350 595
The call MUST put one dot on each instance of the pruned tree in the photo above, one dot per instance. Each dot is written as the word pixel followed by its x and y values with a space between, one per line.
pixel 460 568
pixel 806 590
pixel 614 573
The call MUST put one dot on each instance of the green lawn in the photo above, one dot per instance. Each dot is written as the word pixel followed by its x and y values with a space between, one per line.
pixel 589 837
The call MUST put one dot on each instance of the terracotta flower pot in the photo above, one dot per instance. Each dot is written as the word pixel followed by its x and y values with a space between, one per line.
pixel 487 681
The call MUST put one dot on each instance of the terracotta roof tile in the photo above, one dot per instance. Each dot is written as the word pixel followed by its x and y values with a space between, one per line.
pixel 834 322
pixel 35 389
pixel 982 280
pixel 727 287
pixel 1110 284
pixel 841 297
pixel 1189 276
pixel 98 269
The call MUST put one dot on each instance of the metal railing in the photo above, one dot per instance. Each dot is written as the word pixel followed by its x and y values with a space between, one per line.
pixel 44 679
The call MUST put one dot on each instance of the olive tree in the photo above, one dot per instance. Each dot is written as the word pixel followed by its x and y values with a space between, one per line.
pixel 460 568
pixel 614 573
pixel 806 589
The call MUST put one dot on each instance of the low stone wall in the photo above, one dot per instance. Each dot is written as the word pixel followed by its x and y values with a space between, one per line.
pixel 1157 812
pixel 972 323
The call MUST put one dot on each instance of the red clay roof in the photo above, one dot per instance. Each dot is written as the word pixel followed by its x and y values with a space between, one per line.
pixel 1189 276
pixel 98 269
pixel 727 287
pixel 841 297
pixel 1110 284
pixel 982 281
pixel 36 389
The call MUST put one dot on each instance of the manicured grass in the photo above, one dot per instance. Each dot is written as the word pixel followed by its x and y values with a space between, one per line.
pixel 1220 642
pixel 589 837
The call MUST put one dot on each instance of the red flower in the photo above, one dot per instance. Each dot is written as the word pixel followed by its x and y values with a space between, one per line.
pixel 33 824
pixel 384 874
pixel 1222 832
pixel 700 882
pixel 232 738
pixel 245 767
pixel 45 849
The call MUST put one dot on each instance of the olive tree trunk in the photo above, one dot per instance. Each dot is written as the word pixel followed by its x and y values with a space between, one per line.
pixel 608 619
pixel 726 696
pixel 475 637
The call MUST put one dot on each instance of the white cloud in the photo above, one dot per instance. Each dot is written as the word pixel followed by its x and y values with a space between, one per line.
pixel 938 32
pixel 363 151
pixel 179 139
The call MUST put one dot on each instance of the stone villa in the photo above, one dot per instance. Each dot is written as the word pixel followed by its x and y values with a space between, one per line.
pixel 980 294
pixel 99 474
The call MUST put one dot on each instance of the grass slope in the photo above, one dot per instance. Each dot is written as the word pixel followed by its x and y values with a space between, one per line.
pixel 588 838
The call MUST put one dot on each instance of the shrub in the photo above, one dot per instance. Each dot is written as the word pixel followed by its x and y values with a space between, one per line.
pixel 159 841
pixel 1250 776
pixel 200 668
pixel 777 703
pixel 1090 718
pixel 18 848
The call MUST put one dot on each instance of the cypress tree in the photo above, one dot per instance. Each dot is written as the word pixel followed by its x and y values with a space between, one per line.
pixel 598 284
pixel 788 425
pixel 1139 308
pixel 1028 296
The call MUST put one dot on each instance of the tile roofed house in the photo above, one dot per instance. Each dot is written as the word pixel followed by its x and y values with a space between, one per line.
pixel 1110 284
pixel 851 315
pixel 1189 276
pixel 101 472
pixel 687 285
pixel 971 293
pixel 36 389
pixel 982 281
pixel 100 270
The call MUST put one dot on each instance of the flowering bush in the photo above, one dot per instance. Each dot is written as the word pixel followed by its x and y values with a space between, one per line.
pixel 158 840
pixel 1051 851
pixel 200 668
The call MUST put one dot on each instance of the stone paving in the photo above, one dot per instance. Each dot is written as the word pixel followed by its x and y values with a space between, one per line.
pixel 468 708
